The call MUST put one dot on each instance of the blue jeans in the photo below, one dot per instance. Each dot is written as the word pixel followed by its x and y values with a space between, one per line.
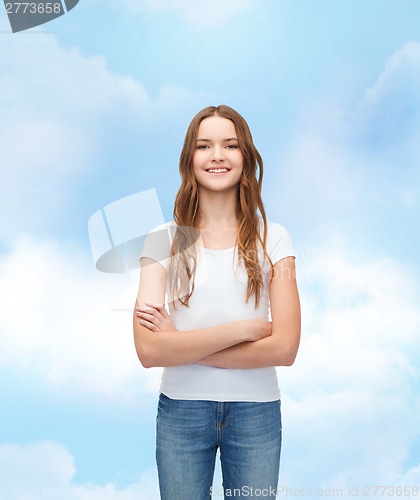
pixel 189 433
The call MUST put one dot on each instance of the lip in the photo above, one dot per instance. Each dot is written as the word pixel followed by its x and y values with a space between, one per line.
pixel 217 173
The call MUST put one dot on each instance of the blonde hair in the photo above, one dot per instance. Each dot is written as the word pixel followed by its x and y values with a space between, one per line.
pixel 186 214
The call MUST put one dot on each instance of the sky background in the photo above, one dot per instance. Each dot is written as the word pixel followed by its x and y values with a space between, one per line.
pixel 93 108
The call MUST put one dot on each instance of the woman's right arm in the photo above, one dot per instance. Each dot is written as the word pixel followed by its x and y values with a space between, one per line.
pixel 172 348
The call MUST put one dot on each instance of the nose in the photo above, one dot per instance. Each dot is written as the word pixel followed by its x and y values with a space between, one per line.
pixel 218 154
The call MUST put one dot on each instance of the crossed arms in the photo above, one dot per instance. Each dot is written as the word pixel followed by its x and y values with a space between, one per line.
pixel 253 343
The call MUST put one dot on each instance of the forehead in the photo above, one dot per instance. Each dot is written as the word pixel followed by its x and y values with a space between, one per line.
pixel 216 127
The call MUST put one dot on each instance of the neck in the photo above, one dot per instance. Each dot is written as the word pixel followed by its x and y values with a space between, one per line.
pixel 217 210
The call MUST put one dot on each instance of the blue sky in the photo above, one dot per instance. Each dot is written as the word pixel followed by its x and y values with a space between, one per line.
pixel 93 108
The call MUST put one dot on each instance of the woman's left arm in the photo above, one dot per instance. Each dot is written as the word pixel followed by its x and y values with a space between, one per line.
pixel 281 347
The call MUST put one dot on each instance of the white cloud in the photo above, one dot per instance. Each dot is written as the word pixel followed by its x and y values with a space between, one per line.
pixel 412 477
pixel 353 166
pixel 320 179
pixel 61 82
pixel 351 401
pixel 59 109
pixel 394 97
pixel 319 168
pixel 58 322
pixel 55 105
pixel 351 404
pixel 387 119
pixel 46 471
pixel 206 13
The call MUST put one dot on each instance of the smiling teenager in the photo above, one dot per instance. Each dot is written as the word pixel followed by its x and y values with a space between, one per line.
pixel 221 268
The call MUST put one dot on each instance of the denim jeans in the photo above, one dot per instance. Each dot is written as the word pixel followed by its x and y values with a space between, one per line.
pixel 189 432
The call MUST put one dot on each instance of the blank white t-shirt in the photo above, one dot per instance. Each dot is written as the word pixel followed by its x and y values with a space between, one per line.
pixel 218 298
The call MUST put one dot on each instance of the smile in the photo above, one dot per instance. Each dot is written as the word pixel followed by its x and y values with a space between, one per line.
pixel 217 170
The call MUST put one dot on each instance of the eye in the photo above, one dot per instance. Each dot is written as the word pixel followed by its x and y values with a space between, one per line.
pixel 202 146
pixel 233 146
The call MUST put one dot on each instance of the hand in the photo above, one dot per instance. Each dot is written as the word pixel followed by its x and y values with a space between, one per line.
pixel 155 317
pixel 259 328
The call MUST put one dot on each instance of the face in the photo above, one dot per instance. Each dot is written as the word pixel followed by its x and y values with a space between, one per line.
pixel 217 160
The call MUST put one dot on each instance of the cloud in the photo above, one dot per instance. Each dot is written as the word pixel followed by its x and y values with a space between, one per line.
pixel 320 180
pixel 351 401
pixel 350 169
pixel 46 471
pixel 67 324
pixel 206 13
pixel 65 117
pixel 389 111
pixel 54 105
pixel 386 126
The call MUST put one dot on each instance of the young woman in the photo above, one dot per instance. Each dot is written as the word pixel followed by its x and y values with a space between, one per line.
pixel 222 268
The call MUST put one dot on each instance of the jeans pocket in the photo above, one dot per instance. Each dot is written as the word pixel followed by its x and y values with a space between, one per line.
pixel 163 405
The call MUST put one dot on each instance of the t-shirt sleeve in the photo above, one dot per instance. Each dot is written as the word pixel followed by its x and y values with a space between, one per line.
pixel 157 245
pixel 279 243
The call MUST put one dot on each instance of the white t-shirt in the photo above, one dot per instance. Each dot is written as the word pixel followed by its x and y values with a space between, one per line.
pixel 218 298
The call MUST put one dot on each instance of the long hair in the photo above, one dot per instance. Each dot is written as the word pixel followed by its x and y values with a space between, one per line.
pixel 187 215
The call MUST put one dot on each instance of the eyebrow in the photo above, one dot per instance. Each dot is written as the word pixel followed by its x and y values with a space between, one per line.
pixel 224 140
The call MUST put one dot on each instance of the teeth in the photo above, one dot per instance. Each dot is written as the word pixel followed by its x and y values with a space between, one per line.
pixel 217 170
